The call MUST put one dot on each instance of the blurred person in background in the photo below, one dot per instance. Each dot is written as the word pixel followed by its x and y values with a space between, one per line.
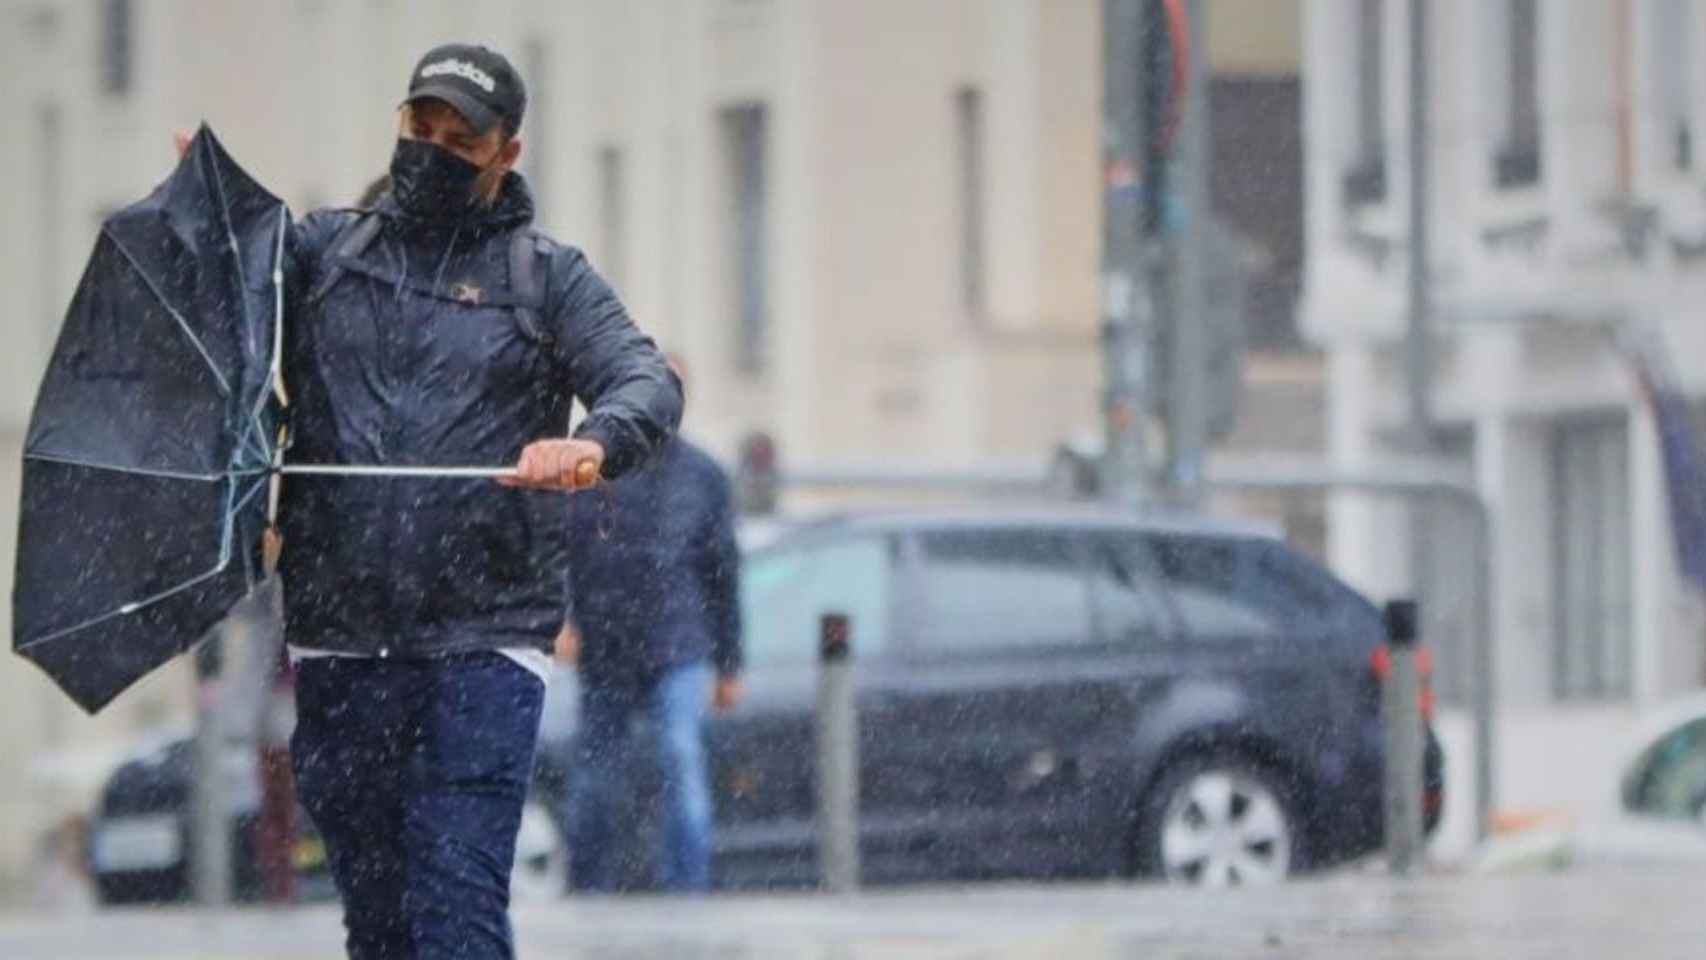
pixel 655 630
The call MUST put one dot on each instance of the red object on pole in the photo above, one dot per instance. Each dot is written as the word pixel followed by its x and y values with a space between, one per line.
pixel 1179 38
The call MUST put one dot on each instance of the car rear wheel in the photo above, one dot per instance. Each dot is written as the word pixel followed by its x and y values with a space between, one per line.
pixel 541 857
pixel 1219 821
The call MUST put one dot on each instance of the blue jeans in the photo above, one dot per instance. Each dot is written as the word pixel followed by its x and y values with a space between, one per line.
pixel 415 773
pixel 676 702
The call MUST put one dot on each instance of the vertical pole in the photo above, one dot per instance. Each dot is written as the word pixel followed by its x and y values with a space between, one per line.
pixel 837 759
pixel 1418 358
pixel 1126 314
pixel 1404 740
pixel 210 827
pixel 1417 350
pixel 1186 309
pixel 1486 676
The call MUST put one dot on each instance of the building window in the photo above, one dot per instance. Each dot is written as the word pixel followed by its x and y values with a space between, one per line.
pixel 969 170
pixel 536 140
pixel 117 42
pixel 612 215
pixel 1517 163
pixel 49 188
pixel 1592 556
pixel 744 134
pixel 1674 39
pixel 1365 181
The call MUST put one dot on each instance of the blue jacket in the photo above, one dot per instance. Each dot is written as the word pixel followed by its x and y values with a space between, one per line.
pixel 407 351
pixel 654 572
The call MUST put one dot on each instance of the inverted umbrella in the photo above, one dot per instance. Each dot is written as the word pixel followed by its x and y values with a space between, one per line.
pixel 152 439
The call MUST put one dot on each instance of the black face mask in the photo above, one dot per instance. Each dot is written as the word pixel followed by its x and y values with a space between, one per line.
pixel 430 182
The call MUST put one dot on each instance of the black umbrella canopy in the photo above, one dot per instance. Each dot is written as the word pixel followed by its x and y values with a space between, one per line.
pixel 150 446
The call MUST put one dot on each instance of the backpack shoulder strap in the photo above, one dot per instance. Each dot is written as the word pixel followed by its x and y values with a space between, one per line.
pixel 352 241
pixel 527 282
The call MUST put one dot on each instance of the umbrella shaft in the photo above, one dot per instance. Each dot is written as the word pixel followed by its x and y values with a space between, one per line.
pixel 345 470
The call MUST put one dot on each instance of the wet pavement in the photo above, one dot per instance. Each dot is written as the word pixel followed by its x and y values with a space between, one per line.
pixel 1647 914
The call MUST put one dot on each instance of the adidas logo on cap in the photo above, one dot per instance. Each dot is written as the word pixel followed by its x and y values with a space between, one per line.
pixel 463 69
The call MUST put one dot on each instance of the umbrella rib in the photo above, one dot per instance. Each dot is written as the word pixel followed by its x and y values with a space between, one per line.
pixel 253 439
pixel 135 605
pixel 275 366
pixel 257 428
pixel 243 501
pixel 141 471
pixel 278 307
pixel 131 607
pixel 242 287
pixel 231 236
pixel 233 506
pixel 224 387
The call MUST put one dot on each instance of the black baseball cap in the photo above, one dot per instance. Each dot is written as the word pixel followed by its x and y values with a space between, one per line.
pixel 478 81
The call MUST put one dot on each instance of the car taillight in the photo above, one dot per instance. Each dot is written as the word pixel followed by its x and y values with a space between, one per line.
pixel 1381 662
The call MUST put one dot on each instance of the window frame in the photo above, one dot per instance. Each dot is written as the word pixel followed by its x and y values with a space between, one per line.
pixel 745 133
pixel 1675 52
pixel 1596 679
pixel 611 176
pixel 1518 155
pixel 1135 545
pixel 971 175
pixel 118 23
pixel 1364 182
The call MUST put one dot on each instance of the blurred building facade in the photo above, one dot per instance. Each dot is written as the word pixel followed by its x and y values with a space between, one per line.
pixel 872 230
pixel 1566 202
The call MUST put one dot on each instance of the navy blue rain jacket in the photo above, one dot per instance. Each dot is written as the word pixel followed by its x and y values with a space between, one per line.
pixel 414 356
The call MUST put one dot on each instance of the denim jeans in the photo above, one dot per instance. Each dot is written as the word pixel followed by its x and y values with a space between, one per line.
pixel 415 773
pixel 676 703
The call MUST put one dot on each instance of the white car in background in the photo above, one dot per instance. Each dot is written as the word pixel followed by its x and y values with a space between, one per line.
pixel 1660 801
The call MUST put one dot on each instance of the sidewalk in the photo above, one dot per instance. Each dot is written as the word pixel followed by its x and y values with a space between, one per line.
pixel 1645 915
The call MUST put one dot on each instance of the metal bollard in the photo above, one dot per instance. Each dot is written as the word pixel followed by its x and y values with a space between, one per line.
pixel 210 832
pixel 837 759
pixel 1402 716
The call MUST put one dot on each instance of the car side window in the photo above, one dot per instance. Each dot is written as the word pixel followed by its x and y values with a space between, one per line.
pixel 1214 587
pixel 1002 589
pixel 1312 598
pixel 1130 605
pixel 1671 779
pixel 785 591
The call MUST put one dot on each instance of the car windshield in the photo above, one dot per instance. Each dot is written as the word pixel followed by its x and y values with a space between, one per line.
pixel 1670 778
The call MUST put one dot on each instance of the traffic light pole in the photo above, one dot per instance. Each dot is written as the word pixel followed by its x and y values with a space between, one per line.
pixel 1127 317
pixel 1185 314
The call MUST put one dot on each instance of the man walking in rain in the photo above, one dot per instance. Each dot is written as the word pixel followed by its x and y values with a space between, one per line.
pixel 654 590
pixel 438 328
